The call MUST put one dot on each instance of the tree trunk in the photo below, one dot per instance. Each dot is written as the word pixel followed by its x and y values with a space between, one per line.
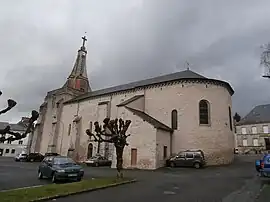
pixel 119 161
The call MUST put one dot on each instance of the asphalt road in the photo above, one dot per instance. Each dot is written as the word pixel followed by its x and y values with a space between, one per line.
pixel 237 182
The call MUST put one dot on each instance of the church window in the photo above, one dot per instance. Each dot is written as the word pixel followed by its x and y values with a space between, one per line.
pixel 69 129
pixel 53 101
pixel 204 112
pixel 90 126
pixel 174 119
pixel 78 84
pixel 230 119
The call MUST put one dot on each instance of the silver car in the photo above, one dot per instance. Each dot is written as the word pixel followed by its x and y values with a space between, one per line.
pixel 21 157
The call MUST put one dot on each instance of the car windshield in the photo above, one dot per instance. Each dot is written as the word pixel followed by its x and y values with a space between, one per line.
pixel 63 161
pixel 94 157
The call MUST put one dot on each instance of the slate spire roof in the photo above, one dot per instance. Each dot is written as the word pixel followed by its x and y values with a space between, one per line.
pixel 78 78
pixel 259 114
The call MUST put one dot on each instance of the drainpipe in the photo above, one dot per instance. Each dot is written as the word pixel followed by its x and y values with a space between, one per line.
pixel 171 136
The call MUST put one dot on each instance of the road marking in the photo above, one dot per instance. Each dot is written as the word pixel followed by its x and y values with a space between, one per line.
pixel 169 192
pixel 22 188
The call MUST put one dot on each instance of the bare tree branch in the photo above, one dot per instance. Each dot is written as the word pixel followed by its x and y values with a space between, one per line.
pixel 7 129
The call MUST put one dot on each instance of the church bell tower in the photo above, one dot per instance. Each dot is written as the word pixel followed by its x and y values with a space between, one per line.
pixel 78 78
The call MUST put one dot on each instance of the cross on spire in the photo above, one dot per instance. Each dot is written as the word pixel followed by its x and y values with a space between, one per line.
pixel 84 40
pixel 187 65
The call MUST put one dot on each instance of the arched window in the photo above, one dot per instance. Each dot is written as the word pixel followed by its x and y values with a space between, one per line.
pixel 204 111
pixel 174 119
pixel 230 118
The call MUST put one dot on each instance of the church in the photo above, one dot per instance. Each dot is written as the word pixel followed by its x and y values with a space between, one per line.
pixel 169 113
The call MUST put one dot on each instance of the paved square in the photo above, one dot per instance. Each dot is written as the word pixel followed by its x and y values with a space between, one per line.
pixel 237 182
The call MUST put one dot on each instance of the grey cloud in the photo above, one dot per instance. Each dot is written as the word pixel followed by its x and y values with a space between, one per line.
pixel 130 40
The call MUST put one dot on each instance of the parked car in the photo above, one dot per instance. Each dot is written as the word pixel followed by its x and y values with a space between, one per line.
pixel 236 150
pixel 188 158
pixel 51 154
pixel 34 157
pixel 265 166
pixel 259 162
pixel 21 157
pixel 59 168
pixel 98 161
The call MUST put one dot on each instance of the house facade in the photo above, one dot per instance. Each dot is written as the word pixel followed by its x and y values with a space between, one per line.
pixel 169 113
pixel 11 149
pixel 252 132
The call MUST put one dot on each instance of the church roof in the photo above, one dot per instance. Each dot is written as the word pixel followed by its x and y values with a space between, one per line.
pixel 259 114
pixel 183 75
pixel 136 97
pixel 150 119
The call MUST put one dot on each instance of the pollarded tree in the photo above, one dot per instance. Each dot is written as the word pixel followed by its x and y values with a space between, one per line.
pixel 113 131
pixel 7 129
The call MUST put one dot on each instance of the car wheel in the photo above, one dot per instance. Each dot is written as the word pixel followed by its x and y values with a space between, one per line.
pixel 40 176
pixel 172 164
pixel 96 164
pixel 197 165
pixel 54 178
pixel 79 179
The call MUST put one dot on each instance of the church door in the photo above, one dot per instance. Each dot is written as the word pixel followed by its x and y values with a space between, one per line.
pixel 133 157
pixel 90 151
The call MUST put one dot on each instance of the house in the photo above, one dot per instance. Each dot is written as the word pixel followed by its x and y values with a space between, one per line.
pixel 252 132
pixel 11 149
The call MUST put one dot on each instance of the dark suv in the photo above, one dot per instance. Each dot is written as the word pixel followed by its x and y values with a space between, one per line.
pixel 188 158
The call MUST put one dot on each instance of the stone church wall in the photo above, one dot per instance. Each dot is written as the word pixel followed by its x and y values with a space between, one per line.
pixel 216 140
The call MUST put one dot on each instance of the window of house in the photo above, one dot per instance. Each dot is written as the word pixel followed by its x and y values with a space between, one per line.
pixel 13 151
pixel 254 129
pixel 204 112
pixel 164 152
pixel 245 143
pixel 174 119
pixel 230 119
pixel 244 130
pixel 265 129
pixel 20 142
pixel 69 129
pixel 7 151
pixel 255 142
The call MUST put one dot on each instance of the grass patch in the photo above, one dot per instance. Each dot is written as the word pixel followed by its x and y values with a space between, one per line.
pixel 54 190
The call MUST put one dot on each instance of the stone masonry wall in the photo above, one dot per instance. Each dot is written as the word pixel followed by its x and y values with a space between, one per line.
pixel 216 140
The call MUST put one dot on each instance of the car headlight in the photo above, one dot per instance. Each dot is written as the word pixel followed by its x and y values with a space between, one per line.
pixel 60 171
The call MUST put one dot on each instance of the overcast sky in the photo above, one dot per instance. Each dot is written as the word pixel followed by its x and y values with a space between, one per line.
pixel 130 40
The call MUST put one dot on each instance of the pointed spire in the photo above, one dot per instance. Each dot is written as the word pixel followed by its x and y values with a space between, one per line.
pixel 78 78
